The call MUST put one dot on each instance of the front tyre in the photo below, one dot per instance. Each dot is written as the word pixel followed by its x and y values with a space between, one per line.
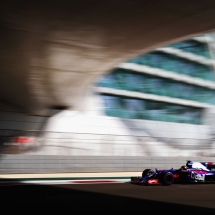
pixel 147 172
pixel 167 178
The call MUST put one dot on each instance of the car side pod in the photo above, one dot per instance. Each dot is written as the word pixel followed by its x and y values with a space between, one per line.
pixel 166 178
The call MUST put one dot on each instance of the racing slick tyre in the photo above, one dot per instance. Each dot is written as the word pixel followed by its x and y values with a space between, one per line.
pixel 167 178
pixel 147 172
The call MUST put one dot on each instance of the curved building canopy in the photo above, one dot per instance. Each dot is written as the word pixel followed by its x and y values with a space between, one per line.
pixel 51 52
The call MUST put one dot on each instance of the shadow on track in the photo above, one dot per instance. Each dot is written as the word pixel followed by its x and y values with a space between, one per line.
pixel 47 198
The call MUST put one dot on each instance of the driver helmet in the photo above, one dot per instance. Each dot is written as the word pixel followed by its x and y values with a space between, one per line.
pixel 189 164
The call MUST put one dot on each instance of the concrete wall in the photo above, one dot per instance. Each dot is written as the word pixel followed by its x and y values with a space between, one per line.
pixel 61 164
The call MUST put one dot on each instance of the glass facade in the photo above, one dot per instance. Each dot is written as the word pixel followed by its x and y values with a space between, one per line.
pixel 193 47
pixel 137 82
pixel 134 108
pixel 175 64
pixel 131 108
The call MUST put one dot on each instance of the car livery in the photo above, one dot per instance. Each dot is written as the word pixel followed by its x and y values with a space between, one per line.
pixel 196 172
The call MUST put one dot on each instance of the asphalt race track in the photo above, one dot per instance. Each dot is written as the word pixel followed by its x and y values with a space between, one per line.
pixel 114 198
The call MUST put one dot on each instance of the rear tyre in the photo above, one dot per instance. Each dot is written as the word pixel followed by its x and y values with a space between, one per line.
pixel 147 172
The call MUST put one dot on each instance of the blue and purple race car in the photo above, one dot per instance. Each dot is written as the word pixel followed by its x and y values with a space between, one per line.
pixel 192 172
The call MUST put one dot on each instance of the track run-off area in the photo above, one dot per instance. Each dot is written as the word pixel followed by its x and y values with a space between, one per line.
pixel 107 197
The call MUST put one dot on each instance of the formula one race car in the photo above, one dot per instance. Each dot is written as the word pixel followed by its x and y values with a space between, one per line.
pixel 192 172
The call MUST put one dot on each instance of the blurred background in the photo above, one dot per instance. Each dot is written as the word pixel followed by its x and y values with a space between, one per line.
pixel 157 104
pixel 144 95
